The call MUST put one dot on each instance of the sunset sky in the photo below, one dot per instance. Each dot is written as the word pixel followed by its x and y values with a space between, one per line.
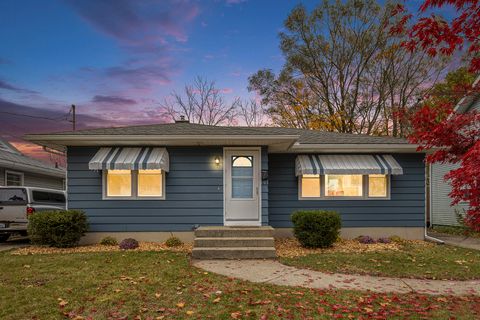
pixel 117 60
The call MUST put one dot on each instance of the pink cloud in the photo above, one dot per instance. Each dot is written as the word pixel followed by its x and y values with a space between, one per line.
pixel 234 1
pixel 138 22
pixel 226 90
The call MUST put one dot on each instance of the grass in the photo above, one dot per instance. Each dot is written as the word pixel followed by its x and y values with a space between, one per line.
pixel 456 231
pixel 411 261
pixel 163 285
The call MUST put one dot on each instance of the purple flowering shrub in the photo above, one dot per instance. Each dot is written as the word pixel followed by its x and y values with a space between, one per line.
pixel 366 240
pixel 384 240
pixel 128 244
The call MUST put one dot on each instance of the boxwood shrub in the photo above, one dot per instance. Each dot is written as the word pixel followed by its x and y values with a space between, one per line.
pixel 316 228
pixel 59 228
pixel 173 242
pixel 109 241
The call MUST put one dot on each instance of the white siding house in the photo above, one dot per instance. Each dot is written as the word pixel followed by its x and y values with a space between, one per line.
pixel 441 211
pixel 16 169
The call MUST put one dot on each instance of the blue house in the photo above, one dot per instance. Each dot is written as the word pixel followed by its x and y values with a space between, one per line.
pixel 152 181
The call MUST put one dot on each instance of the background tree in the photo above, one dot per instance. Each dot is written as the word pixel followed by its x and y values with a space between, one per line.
pixel 252 113
pixel 344 70
pixel 452 137
pixel 203 103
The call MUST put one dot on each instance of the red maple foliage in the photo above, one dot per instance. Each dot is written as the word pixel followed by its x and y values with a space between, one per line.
pixel 436 35
pixel 452 137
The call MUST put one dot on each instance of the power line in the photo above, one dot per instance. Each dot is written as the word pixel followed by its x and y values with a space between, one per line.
pixel 36 117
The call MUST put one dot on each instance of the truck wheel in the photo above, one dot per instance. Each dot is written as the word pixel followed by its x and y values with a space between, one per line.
pixel 4 237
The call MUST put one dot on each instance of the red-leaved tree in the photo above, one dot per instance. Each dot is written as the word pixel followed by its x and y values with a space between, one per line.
pixel 451 136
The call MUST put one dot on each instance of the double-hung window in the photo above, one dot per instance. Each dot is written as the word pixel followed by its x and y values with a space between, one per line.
pixel 13 178
pixel 344 186
pixel 134 184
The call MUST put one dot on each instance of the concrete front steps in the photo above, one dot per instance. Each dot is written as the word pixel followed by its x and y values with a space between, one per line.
pixel 234 243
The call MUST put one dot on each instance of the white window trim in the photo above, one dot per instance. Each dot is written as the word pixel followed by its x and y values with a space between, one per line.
pixel 15 173
pixel 364 190
pixel 134 187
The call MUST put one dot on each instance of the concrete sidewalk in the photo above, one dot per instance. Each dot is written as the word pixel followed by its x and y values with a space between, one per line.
pixel 273 272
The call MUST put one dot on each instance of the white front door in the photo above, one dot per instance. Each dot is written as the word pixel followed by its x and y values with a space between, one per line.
pixel 242 187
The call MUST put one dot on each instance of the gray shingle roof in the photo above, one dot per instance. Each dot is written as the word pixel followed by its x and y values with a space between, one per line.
pixel 13 159
pixel 190 129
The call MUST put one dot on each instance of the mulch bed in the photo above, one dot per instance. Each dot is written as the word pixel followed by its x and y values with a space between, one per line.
pixel 290 248
pixel 144 246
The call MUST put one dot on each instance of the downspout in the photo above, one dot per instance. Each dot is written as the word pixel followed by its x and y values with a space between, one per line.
pixel 428 178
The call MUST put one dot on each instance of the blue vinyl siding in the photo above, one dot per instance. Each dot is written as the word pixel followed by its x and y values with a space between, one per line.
pixel 264 166
pixel 194 194
pixel 406 207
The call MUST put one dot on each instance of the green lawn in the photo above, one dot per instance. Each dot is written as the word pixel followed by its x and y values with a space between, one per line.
pixel 456 231
pixel 412 261
pixel 163 285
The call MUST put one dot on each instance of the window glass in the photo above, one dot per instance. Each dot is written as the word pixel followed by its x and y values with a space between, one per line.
pixel 310 185
pixel 343 185
pixel 119 183
pixel 150 183
pixel 14 179
pixel 12 196
pixel 377 185
pixel 242 177
pixel 42 196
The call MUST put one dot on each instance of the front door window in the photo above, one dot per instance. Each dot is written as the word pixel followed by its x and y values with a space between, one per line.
pixel 242 177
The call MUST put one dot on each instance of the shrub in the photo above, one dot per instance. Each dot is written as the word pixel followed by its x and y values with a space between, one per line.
pixel 396 239
pixel 128 244
pixel 316 228
pixel 173 242
pixel 109 241
pixel 58 228
pixel 384 240
pixel 366 240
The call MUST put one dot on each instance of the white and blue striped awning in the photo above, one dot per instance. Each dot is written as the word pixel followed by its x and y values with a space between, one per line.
pixel 346 164
pixel 118 158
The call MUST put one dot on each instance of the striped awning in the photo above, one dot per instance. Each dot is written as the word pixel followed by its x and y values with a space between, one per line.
pixel 346 164
pixel 118 158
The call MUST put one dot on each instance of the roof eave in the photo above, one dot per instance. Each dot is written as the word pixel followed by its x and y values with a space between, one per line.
pixel 32 169
pixel 356 148
pixel 60 142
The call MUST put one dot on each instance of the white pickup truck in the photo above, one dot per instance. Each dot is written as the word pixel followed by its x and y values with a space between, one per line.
pixel 18 203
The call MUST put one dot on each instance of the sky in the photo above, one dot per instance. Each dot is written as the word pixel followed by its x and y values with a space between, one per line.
pixel 117 60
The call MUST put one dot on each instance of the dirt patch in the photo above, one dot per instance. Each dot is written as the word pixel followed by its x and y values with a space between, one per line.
pixel 290 248
pixel 144 246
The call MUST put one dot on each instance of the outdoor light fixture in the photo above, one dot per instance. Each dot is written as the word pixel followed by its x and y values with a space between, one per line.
pixel 217 160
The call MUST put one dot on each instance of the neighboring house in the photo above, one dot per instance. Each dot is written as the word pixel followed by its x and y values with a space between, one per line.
pixel 154 180
pixel 17 169
pixel 441 210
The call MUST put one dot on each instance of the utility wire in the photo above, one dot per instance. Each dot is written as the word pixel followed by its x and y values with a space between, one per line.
pixel 36 117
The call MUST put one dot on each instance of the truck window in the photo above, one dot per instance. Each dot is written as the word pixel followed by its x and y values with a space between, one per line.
pixel 48 197
pixel 13 197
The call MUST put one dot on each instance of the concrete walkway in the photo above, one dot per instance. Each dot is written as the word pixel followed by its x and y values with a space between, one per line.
pixel 458 241
pixel 273 272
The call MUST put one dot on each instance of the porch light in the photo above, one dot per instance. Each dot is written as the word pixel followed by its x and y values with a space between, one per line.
pixel 217 160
